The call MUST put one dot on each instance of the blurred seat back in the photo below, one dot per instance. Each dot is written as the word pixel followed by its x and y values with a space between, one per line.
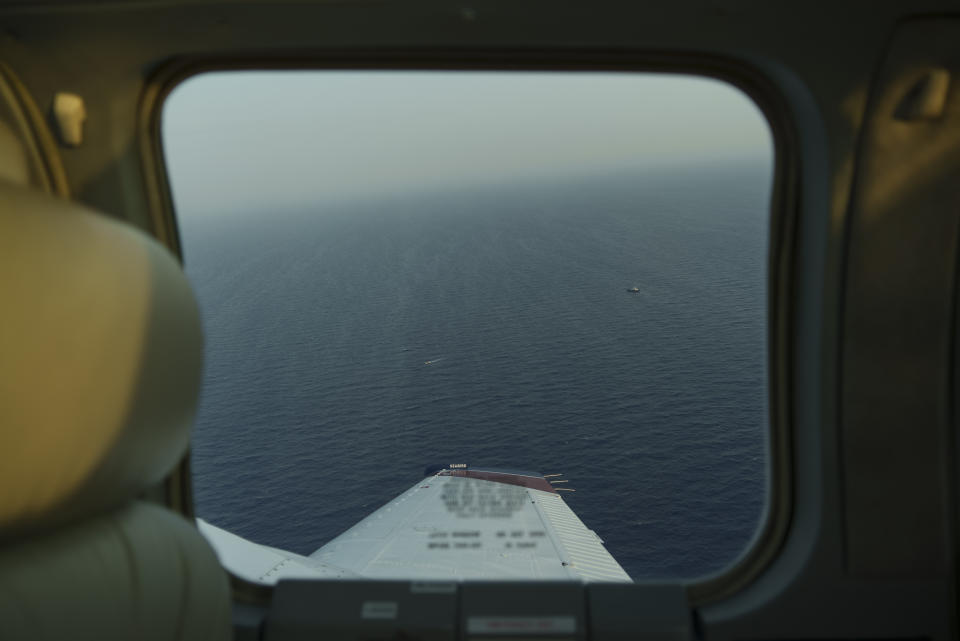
pixel 100 360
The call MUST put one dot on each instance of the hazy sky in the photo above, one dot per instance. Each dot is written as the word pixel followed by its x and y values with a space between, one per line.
pixel 241 140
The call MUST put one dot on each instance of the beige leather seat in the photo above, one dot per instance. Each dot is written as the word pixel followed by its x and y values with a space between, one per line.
pixel 100 358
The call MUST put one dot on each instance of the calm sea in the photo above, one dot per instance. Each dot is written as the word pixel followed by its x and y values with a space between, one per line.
pixel 318 405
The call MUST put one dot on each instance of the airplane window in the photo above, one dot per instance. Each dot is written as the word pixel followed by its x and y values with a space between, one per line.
pixel 476 324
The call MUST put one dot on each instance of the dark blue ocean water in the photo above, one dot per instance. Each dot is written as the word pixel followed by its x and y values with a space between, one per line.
pixel 318 407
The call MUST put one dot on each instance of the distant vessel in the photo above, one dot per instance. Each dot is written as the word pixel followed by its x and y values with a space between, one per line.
pixel 634 290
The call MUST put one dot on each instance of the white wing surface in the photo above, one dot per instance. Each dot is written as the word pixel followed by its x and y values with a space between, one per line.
pixel 264 564
pixel 454 525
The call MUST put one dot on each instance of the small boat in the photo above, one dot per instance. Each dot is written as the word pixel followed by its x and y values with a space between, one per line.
pixel 634 290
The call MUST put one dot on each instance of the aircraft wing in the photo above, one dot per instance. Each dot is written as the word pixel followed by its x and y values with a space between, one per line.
pixel 474 524
pixel 456 524
pixel 264 564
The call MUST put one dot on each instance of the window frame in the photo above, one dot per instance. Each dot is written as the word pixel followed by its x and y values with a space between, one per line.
pixel 782 287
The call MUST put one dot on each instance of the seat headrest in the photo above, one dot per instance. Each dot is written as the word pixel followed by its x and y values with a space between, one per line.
pixel 101 361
